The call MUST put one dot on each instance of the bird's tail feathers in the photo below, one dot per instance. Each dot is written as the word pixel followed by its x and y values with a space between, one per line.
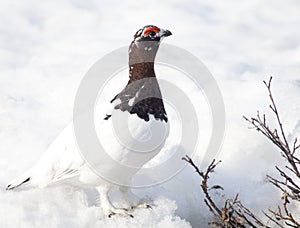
pixel 25 178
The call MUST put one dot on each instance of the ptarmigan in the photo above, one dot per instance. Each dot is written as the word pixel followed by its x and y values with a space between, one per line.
pixel 62 161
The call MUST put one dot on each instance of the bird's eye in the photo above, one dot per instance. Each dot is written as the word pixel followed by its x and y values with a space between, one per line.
pixel 152 33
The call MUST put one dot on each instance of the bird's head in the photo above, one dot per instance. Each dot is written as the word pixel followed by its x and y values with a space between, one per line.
pixel 151 33
pixel 146 42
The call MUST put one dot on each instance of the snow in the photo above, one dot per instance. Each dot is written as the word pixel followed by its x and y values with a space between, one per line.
pixel 46 48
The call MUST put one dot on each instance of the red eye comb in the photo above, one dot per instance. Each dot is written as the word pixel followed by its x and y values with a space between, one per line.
pixel 146 32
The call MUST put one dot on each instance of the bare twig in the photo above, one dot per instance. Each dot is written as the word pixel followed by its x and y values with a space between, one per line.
pixel 288 186
pixel 205 176
pixel 233 213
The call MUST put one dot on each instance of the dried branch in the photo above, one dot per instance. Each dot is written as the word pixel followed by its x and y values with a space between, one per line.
pixel 281 142
pixel 233 213
pixel 291 176
pixel 205 176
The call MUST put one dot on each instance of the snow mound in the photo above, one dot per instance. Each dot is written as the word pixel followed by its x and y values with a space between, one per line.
pixel 68 207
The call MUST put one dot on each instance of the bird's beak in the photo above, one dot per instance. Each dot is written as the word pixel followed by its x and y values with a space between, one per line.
pixel 166 33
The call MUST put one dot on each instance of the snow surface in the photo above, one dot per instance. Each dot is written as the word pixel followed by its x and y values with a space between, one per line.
pixel 47 47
